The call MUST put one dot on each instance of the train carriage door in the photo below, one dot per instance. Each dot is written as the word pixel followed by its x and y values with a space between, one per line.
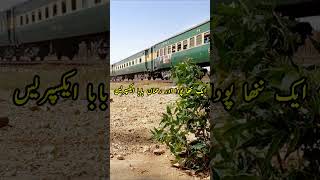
pixel 145 59
pixel 10 25
pixel 151 59
pixel 8 19
pixel 13 21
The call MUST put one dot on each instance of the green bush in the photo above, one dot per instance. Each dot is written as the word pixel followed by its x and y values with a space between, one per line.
pixel 263 139
pixel 185 127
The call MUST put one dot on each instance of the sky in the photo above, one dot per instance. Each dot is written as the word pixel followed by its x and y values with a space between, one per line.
pixel 138 24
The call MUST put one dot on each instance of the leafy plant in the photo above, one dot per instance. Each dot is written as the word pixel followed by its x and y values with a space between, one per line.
pixel 185 127
pixel 263 139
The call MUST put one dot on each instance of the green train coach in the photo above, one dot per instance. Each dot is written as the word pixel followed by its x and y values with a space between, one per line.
pixel 40 28
pixel 156 61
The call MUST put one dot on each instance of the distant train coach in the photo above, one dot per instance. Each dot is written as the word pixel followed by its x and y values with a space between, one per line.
pixel 40 28
pixel 155 62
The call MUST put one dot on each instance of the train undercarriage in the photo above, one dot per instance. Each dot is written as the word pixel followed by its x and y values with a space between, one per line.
pixel 83 47
pixel 164 74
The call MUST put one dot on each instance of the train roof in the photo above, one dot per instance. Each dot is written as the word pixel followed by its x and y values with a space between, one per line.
pixel 30 5
pixel 135 55
pixel 189 29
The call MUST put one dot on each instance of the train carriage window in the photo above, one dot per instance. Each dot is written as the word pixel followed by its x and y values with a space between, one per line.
pixel 185 44
pixel 132 62
pixel 165 50
pixel 173 48
pixel 27 19
pixel 33 17
pixel 54 10
pixel 207 37
pixel 47 12
pixel 179 47
pixel 140 60
pixel 169 49
pixel 21 20
pixel 158 53
pixel 39 15
pixel 63 7
pixel 199 40
pixel 74 5
pixel 191 42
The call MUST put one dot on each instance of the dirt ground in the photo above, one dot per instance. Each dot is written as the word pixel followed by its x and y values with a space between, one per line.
pixel 132 148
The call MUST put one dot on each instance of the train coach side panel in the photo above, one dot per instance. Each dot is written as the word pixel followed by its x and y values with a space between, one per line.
pixel 198 55
pixel 130 70
pixel 85 22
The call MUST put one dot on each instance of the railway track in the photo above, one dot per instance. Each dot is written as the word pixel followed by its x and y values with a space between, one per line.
pixel 204 79
pixel 146 80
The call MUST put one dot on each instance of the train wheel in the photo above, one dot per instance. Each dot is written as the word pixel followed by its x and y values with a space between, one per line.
pixel 149 78
pixel 42 58
pixel 154 78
